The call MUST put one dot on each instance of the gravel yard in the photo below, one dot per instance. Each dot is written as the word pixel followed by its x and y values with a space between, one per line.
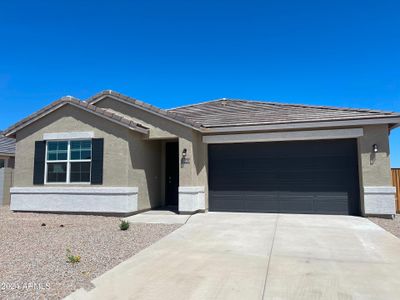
pixel 33 257
pixel 393 226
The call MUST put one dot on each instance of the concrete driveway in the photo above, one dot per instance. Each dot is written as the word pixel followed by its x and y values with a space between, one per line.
pixel 260 256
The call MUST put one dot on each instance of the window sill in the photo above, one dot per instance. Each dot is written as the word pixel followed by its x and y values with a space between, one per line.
pixel 67 183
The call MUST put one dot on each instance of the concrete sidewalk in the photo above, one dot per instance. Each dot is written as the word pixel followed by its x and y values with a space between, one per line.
pixel 260 256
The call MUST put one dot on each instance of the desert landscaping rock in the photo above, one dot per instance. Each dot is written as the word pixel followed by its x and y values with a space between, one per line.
pixel 391 225
pixel 33 257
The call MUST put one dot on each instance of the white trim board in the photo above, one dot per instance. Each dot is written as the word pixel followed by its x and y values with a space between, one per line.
pixel 68 135
pixel 303 125
pixel 284 136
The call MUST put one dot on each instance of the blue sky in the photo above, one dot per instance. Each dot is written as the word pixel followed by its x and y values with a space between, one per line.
pixel 170 53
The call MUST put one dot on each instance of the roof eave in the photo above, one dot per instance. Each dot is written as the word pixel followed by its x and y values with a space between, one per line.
pixel 394 126
pixel 146 107
pixel 10 132
pixel 305 125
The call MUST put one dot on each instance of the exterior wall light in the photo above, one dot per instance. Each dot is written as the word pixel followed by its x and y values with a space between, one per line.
pixel 185 159
pixel 375 148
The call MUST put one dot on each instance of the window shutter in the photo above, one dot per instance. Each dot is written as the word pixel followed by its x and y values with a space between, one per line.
pixel 39 161
pixel 97 161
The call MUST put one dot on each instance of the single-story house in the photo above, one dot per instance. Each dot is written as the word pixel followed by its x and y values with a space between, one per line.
pixel 115 154
pixel 7 152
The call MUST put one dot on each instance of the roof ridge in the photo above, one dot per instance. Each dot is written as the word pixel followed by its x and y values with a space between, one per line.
pixel 199 103
pixel 149 107
pixel 82 104
pixel 38 112
pixel 284 104
pixel 197 116
pixel 311 106
pixel 240 111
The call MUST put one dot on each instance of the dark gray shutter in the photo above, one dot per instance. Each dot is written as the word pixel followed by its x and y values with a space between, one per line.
pixel 97 161
pixel 39 161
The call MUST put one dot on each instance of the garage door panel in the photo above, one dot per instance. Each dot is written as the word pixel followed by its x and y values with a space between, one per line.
pixel 296 202
pixel 335 203
pixel 301 177
pixel 267 180
pixel 232 199
pixel 293 205
pixel 319 202
pixel 249 200
pixel 312 179
pixel 245 181
pixel 271 181
pixel 261 201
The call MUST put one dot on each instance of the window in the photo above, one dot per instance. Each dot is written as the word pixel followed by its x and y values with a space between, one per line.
pixel 68 161
pixel 2 163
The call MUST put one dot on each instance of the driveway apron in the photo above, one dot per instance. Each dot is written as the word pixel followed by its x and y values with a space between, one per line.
pixel 260 256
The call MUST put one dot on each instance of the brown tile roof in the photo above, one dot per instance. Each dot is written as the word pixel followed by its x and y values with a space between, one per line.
pixel 121 120
pixel 217 113
pixel 7 145
pixel 151 108
pixel 232 112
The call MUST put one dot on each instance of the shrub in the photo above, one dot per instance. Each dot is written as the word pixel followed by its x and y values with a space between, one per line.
pixel 73 259
pixel 124 225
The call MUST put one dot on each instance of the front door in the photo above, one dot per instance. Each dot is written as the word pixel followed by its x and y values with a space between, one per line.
pixel 171 173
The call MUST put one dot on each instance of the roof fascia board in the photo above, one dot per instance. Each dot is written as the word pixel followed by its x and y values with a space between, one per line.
pixel 284 136
pixel 52 109
pixel 135 128
pixel 305 125
pixel 34 119
pixel 395 126
pixel 93 102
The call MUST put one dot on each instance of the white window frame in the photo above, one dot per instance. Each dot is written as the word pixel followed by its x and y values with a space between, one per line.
pixel 68 161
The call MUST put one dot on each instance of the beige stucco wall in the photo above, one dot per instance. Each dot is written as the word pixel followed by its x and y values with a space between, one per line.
pixel 129 160
pixel 160 128
pixel 133 160
pixel 145 171
pixel 72 119
pixel 192 174
pixel 7 179
pixel 374 171
pixel 195 173
pixel 374 167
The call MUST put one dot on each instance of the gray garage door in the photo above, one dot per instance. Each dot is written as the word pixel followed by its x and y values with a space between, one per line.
pixel 290 177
